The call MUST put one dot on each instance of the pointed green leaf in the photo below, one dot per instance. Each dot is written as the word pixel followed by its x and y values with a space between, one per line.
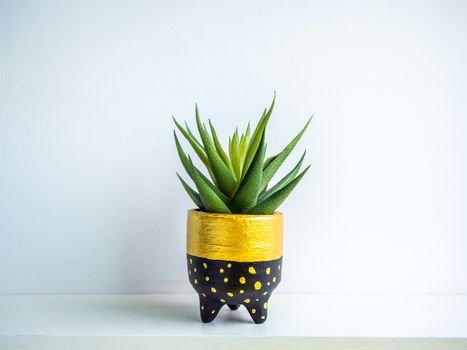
pixel 192 193
pixel 247 193
pixel 234 153
pixel 247 132
pixel 241 142
pixel 271 203
pixel 219 148
pixel 188 130
pixel 181 154
pixel 284 181
pixel 213 187
pixel 279 159
pixel 224 179
pixel 244 142
pixel 211 201
pixel 256 138
pixel 194 143
pixel 188 165
pixel 268 161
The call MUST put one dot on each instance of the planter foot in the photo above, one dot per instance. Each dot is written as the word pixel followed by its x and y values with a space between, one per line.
pixel 258 312
pixel 233 307
pixel 208 309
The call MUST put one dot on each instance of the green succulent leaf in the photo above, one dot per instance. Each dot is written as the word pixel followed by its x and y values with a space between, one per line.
pixel 256 138
pixel 240 177
pixel 213 187
pixel 243 146
pixel 247 193
pixel 211 201
pixel 234 152
pixel 268 161
pixel 188 165
pixel 284 181
pixel 222 175
pixel 197 147
pixel 275 163
pixel 271 203
pixel 192 193
pixel 181 154
pixel 219 148
pixel 188 130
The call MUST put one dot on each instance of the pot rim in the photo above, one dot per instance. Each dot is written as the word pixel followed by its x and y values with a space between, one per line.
pixel 246 216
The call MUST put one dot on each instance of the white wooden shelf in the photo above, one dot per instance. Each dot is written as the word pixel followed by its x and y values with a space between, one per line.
pixel 307 321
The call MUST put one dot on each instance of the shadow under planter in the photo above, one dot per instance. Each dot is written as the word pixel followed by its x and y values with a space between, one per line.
pixel 234 260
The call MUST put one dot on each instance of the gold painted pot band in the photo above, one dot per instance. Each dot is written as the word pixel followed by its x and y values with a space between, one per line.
pixel 234 237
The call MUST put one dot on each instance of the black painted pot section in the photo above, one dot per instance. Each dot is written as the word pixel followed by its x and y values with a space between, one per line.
pixel 231 283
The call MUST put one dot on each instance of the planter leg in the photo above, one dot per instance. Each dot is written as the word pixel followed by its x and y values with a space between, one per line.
pixel 233 306
pixel 208 309
pixel 258 311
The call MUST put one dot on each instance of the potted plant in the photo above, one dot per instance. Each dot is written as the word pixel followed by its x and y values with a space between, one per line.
pixel 234 238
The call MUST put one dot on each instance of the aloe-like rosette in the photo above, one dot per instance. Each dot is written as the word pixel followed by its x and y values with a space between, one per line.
pixel 239 178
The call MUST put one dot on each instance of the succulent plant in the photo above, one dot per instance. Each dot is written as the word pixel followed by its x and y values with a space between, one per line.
pixel 240 178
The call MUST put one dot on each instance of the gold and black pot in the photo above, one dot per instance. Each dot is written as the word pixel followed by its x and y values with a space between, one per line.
pixel 234 259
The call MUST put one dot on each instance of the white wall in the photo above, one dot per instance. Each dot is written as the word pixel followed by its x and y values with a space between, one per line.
pixel 89 201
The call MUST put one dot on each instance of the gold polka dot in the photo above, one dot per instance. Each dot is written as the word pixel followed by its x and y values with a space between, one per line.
pixel 226 280
pixel 251 270
pixel 204 295
pixel 213 289
pixel 213 311
pixel 241 291
pixel 253 311
pixel 194 269
pixel 229 265
pixel 279 267
pixel 266 292
pixel 202 307
pixel 205 265
pixel 221 270
pixel 274 280
pixel 191 261
pixel 189 272
pixel 222 300
pixel 242 280
pixel 263 317
pixel 257 285
pixel 247 301
pixel 257 299
pixel 268 271
pixel 196 281
pixel 269 283
pixel 207 278
pixel 265 305
pixel 230 294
